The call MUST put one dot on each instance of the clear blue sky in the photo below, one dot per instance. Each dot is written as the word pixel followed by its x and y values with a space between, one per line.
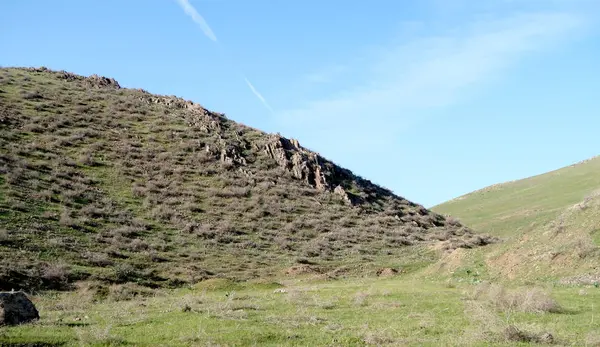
pixel 431 99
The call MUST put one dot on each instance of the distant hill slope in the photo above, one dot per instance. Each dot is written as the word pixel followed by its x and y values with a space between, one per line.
pixel 118 185
pixel 550 223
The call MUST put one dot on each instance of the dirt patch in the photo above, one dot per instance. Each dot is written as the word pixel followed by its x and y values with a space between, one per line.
pixel 302 270
pixel 449 261
pixel 508 264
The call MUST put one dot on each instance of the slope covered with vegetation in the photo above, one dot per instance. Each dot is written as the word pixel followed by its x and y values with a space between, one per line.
pixel 117 185
pixel 110 191
pixel 549 224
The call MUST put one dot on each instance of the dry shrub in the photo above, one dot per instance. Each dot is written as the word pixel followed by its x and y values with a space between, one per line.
pixel 15 175
pixel 378 338
pixel 588 200
pixel 80 299
pixel 66 219
pixel 593 339
pixel 514 334
pixel 4 236
pixel 98 335
pixel 87 159
pixel 361 299
pixel 127 291
pixel 98 259
pixel 534 300
pixel 489 327
pixel 585 248
pixel 55 276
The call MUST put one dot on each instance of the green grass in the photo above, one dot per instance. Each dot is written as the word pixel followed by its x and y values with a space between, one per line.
pixel 548 224
pixel 303 312
pixel 512 208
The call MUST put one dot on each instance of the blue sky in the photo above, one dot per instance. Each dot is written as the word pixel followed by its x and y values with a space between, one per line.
pixel 432 98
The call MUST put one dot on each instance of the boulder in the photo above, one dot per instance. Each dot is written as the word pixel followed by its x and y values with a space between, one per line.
pixel 16 308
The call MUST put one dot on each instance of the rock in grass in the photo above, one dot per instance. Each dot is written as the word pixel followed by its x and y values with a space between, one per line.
pixel 16 308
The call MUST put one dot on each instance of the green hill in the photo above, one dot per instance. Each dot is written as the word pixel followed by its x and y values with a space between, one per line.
pixel 550 224
pixel 122 195
pixel 115 185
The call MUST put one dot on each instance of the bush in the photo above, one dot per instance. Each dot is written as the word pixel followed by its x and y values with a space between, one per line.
pixel 127 291
pixel 124 273
pixel 55 276
pixel 4 236
pixel 98 259
pixel 533 300
pixel 514 334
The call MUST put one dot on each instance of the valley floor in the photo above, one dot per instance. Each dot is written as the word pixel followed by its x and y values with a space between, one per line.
pixel 399 310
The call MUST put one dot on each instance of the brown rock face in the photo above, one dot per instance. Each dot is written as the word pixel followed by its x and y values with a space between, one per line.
pixel 339 190
pixel 303 164
pixel 16 308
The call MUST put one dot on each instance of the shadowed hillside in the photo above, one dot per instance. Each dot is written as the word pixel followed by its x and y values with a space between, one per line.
pixel 118 185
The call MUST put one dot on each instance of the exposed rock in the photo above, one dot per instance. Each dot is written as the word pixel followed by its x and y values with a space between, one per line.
pixel 339 190
pixel 69 76
pixel 16 308
pixel 303 164
pixel 102 82
pixel 230 155
pixel 199 117
pixel 275 150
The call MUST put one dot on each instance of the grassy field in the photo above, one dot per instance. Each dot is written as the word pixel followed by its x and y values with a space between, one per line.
pixel 400 311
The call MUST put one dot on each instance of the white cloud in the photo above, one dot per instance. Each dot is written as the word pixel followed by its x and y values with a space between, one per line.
pixel 405 81
pixel 191 11
pixel 258 95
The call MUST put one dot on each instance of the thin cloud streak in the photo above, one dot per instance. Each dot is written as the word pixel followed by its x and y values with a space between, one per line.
pixel 259 96
pixel 191 11
pixel 406 82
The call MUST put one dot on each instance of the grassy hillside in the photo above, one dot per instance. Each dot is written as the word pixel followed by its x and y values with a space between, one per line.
pixel 550 224
pixel 115 185
pixel 119 194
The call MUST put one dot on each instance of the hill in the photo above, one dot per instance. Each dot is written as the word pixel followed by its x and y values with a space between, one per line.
pixel 116 185
pixel 549 224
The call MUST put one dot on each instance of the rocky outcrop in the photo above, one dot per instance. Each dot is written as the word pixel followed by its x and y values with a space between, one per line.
pixel 341 192
pixel 91 81
pixel 198 117
pixel 303 164
pixel 102 82
pixel 231 155
pixel 16 308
